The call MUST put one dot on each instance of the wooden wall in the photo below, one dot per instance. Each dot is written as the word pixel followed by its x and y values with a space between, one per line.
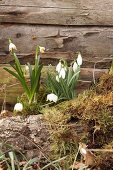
pixel 62 26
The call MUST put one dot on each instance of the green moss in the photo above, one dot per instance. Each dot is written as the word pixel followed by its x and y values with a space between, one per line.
pixel 33 108
pixel 90 110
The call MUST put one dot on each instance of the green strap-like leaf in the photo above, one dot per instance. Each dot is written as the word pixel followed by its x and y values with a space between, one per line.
pixel 17 65
pixel 22 81
pixel 31 75
pixel 35 84
pixel 30 162
pixel 12 160
pixel 73 78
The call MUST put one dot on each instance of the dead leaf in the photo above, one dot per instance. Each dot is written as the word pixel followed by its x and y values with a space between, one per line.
pixel 79 166
pixel 88 156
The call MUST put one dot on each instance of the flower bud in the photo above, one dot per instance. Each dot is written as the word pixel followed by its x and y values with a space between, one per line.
pixel 79 59
pixel 75 66
pixel 57 78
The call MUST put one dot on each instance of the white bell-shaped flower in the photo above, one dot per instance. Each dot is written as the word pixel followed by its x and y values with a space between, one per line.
pixel 26 68
pixel 52 97
pixel 18 107
pixel 62 73
pixel 58 67
pixel 12 46
pixel 83 151
pixel 26 71
pixel 75 66
pixel 79 59
pixel 57 78
pixel 42 49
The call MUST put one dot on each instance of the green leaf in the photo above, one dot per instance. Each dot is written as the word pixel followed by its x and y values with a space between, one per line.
pixel 53 162
pixel 73 77
pixel 52 84
pixel 11 155
pixel 35 85
pixel 22 81
pixel 17 65
pixel 37 52
pixel 31 75
pixel 70 73
pixel 30 162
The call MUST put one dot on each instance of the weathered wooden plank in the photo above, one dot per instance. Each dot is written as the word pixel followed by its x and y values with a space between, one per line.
pixel 88 4
pixel 40 3
pixel 56 16
pixel 52 58
pixel 95 43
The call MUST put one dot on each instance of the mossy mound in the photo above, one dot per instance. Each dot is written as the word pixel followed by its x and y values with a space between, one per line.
pixel 88 118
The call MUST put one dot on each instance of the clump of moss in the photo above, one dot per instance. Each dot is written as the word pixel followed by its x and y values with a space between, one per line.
pixel 105 84
pixel 63 135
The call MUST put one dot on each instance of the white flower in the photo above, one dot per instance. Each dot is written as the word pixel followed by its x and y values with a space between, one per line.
pixel 75 66
pixel 26 68
pixel 58 67
pixel 42 49
pixel 52 97
pixel 12 46
pixel 57 78
pixel 83 151
pixel 62 73
pixel 26 71
pixel 18 107
pixel 79 59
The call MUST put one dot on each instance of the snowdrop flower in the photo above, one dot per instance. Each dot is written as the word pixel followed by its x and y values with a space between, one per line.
pixel 26 68
pixel 26 71
pixel 62 73
pixel 58 67
pixel 52 97
pixel 79 59
pixel 42 49
pixel 75 66
pixel 83 151
pixel 12 47
pixel 57 78
pixel 18 107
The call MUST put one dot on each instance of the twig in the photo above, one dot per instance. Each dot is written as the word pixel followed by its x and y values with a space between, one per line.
pixel 75 158
pixel 100 150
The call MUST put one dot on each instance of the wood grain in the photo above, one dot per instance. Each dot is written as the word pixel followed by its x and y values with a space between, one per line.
pixel 81 14
pixel 95 43
pixel 40 3
pixel 87 4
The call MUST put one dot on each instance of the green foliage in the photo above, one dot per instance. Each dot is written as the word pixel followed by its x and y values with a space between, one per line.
pixel 34 107
pixel 63 83
pixel 11 162
pixel 12 159
pixel 34 74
